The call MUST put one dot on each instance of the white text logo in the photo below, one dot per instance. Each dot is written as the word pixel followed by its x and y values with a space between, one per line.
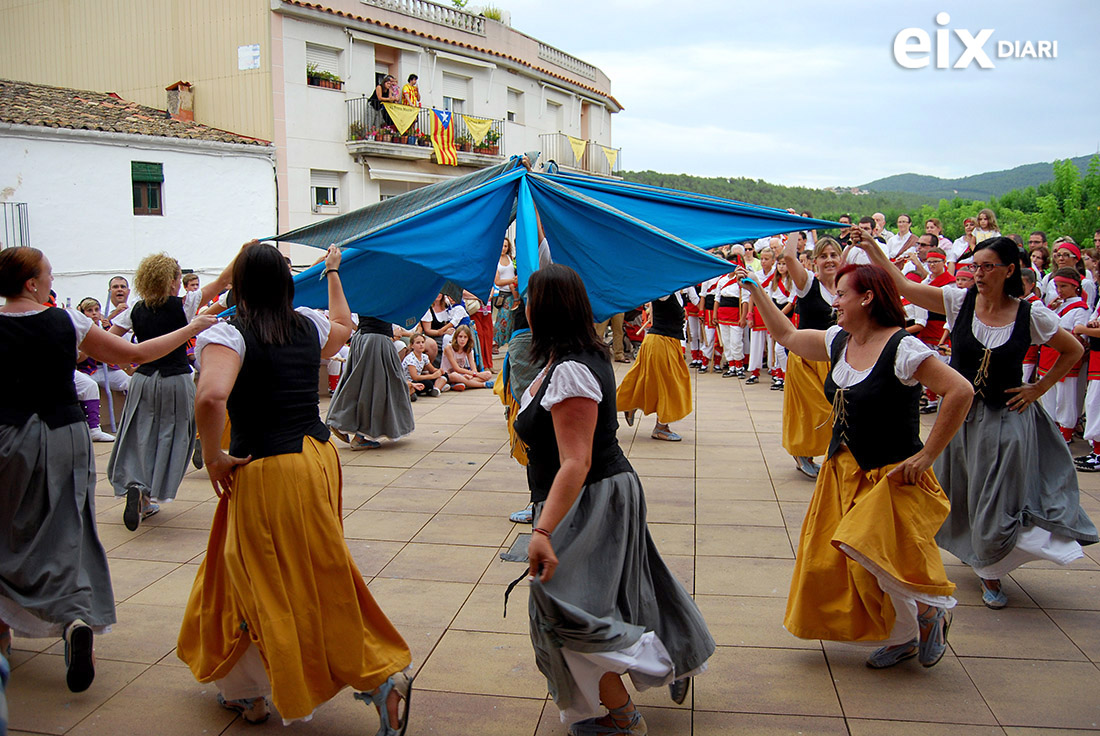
pixel 913 47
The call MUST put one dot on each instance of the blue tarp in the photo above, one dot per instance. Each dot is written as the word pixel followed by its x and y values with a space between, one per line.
pixel 630 243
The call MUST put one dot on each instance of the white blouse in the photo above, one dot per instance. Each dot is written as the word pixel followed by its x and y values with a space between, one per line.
pixel 911 353
pixel 811 277
pixel 226 334
pixel 571 380
pixel 1044 322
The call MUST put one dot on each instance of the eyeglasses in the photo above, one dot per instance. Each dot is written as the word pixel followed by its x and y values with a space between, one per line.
pixel 988 267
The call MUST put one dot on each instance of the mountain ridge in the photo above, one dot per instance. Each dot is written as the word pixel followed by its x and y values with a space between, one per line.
pixel 976 186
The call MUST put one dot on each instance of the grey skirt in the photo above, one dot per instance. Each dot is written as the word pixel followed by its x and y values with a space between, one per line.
pixel 156 436
pixel 1004 472
pixel 610 587
pixel 372 398
pixel 53 569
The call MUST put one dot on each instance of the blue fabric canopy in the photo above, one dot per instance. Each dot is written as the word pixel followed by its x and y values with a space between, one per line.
pixel 629 243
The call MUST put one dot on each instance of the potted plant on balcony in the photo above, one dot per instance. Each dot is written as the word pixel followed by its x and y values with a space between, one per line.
pixel 388 132
pixel 492 142
pixel 372 134
pixel 356 131
pixel 424 139
pixel 465 142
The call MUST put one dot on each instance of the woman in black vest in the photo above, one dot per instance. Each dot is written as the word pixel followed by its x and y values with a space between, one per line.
pixel 805 410
pixel 601 587
pixel 156 435
pixel 54 578
pixel 659 382
pixel 278 606
pixel 1008 473
pixel 867 568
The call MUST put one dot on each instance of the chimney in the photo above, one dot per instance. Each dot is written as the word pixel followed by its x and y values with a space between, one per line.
pixel 181 101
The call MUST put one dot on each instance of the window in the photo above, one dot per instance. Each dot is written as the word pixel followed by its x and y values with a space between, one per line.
pixel 515 106
pixel 324 191
pixel 554 112
pixel 456 90
pixel 147 179
pixel 323 59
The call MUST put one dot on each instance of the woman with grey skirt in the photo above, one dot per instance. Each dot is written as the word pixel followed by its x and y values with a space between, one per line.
pixel 603 603
pixel 54 579
pixel 1007 472
pixel 372 398
pixel 156 436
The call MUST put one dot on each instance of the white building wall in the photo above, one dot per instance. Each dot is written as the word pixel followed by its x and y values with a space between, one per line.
pixel 79 192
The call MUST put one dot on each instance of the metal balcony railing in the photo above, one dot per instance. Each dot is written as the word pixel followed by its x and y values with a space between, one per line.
pixel 367 124
pixel 556 147
pixel 435 13
pixel 15 225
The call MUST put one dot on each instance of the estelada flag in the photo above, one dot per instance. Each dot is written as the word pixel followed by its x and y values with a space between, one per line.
pixel 443 138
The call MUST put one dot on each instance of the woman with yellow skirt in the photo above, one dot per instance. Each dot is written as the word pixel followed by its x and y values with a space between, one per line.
pixel 806 429
pixel 868 569
pixel 278 607
pixel 659 381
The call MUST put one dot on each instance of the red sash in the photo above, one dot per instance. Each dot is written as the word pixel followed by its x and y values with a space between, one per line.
pixel 1048 356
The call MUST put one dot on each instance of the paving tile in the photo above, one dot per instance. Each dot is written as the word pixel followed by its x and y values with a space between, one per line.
pixel 171 590
pixel 712 509
pixel 421 500
pixel 371 555
pixel 659 720
pixel 427 603
pixel 484 611
pixel 1036 693
pixel 485 531
pixel 735 724
pixel 743 541
pixel 144 634
pixel 866 727
pixel 940 694
pixel 783 682
pixel 483 664
pixel 448 563
pixel 1010 633
pixel 1082 627
pixel 393 526
pixel 663 467
pixel 673 539
pixel 743 576
pixel 130 576
pixel 166 544
pixel 742 621
pixel 1062 588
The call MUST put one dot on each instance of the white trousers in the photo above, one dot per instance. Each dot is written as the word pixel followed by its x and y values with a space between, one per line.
pixel 758 346
pixel 116 378
pixel 1092 412
pixel 732 342
pixel 709 334
pixel 1029 372
pixel 1061 403
pixel 86 388
pixel 695 339
pixel 778 355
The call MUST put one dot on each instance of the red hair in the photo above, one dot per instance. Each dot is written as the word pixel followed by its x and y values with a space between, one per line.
pixel 886 307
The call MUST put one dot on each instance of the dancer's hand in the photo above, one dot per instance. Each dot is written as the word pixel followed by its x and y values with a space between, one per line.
pixel 1025 396
pixel 541 559
pixel 910 470
pixel 220 466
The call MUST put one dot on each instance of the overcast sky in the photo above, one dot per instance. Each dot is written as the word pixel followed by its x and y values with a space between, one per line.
pixel 806 92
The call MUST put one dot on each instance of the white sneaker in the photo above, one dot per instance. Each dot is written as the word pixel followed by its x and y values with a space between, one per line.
pixel 98 435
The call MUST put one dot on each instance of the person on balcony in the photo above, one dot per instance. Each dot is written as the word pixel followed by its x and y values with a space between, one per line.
pixel 410 93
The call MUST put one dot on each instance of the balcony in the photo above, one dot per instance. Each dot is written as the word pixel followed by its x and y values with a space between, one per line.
pixel 370 134
pixel 435 13
pixel 556 147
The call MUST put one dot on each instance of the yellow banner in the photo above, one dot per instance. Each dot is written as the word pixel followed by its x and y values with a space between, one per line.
pixel 477 127
pixel 403 116
pixel 612 155
pixel 578 145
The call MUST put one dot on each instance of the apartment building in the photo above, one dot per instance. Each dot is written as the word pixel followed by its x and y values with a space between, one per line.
pixel 300 75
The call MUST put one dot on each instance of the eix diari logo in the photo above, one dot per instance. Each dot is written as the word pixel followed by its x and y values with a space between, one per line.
pixel 913 47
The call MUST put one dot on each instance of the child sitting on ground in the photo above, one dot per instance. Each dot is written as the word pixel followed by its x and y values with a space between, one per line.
pixel 421 371
pixel 459 364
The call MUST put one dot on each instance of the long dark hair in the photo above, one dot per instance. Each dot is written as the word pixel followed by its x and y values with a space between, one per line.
pixel 265 292
pixel 561 315
pixel 886 307
pixel 1008 253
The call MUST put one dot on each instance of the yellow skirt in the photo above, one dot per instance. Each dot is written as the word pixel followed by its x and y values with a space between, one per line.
pixel 278 574
pixel 503 390
pixel 658 381
pixel 890 526
pixel 807 426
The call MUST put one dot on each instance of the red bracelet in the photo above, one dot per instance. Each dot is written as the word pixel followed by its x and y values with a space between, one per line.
pixel 543 532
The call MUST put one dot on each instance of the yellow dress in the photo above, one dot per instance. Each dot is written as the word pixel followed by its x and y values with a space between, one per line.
pixel 807 421
pixel 658 381
pixel 279 575
pixel 890 527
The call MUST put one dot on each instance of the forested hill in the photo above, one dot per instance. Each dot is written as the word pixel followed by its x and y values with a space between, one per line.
pixel 758 191
pixel 978 186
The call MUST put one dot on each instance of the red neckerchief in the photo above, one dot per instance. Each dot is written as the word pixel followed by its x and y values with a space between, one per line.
pixel 1079 304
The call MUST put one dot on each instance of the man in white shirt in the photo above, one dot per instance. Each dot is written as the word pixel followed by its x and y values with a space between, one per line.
pixel 880 226
pixel 854 254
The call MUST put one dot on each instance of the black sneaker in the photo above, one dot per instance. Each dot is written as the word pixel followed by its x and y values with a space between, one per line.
pixel 739 372
pixel 729 373
pixel 1091 464
pixel 753 379
pixel 703 368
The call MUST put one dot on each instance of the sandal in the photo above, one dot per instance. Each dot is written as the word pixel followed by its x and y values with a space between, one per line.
pixel 362 443
pixel 252 710
pixel 623 722
pixel 402 683
pixel 523 516
pixel 889 656
pixel 934 624
pixel 342 436
pixel 995 599
pixel 79 656
pixel 665 434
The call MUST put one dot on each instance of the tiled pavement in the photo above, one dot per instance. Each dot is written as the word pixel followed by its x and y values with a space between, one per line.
pixel 426 519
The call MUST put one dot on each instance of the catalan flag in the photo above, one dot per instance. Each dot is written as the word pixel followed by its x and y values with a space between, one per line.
pixel 443 138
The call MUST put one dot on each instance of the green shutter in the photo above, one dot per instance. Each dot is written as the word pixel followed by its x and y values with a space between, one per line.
pixel 144 171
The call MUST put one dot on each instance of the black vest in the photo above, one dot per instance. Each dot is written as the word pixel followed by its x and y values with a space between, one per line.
pixel 273 405
pixel 879 417
pixel 668 318
pixel 708 302
pixel 149 323
pixel 1003 368
pixel 814 313
pixel 375 326
pixel 46 389
pixel 535 426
